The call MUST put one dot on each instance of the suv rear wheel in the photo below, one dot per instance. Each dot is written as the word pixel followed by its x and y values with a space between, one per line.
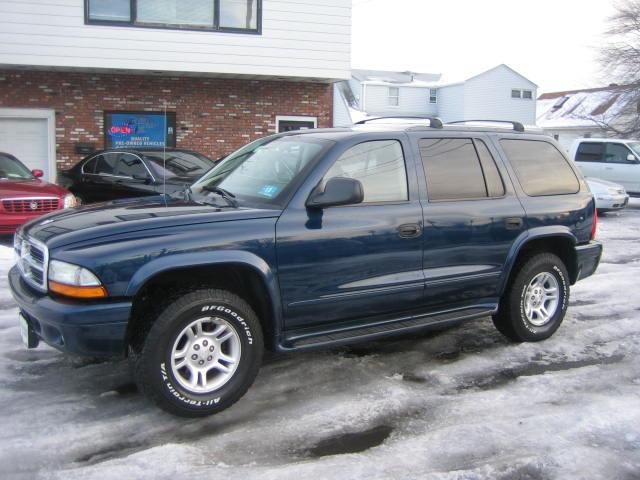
pixel 536 301
pixel 201 355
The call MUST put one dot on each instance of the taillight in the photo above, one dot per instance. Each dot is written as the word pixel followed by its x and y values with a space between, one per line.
pixel 594 225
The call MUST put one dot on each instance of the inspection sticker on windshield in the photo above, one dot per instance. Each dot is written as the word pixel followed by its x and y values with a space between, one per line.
pixel 268 191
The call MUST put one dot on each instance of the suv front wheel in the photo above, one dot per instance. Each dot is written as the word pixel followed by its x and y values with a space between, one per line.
pixel 534 304
pixel 201 354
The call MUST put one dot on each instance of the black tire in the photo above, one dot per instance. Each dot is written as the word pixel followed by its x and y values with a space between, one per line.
pixel 152 367
pixel 511 319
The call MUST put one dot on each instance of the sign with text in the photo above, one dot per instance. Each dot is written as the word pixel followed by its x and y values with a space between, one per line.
pixel 139 129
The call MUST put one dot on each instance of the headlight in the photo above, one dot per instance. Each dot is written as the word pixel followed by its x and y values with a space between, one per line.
pixel 74 281
pixel 70 201
pixel 614 191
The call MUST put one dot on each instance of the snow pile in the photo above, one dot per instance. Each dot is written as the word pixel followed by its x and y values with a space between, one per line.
pixel 457 404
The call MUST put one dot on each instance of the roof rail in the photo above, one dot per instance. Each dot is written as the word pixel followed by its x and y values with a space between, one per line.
pixel 517 126
pixel 434 122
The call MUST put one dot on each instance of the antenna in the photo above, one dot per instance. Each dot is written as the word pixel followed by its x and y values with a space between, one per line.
pixel 164 157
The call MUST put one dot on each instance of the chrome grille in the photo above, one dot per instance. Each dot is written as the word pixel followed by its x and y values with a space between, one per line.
pixel 31 205
pixel 33 260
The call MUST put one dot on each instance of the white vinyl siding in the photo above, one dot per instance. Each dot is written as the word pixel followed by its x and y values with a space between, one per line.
pixel 300 39
pixel 451 103
pixel 488 96
pixel 412 101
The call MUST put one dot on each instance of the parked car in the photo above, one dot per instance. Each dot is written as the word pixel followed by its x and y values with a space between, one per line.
pixel 609 196
pixel 609 159
pixel 24 196
pixel 308 239
pixel 113 174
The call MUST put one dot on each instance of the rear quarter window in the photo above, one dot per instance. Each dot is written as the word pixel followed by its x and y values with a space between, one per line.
pixel 540 167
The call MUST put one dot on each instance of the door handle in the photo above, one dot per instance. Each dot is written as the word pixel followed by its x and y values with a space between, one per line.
pixel 514 223
pixel 409 230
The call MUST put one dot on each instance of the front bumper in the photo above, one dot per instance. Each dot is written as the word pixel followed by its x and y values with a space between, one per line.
pixel 587 259
pixel 96 329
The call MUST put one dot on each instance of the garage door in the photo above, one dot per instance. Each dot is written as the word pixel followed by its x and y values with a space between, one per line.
pixel 26 139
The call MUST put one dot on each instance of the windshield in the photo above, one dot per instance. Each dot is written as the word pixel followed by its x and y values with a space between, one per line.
pixel 12 169
pixel 635 146
pixel 265 171
pixel 172 164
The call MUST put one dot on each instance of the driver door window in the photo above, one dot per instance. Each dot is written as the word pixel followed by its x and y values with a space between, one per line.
pixel 616 153
pixel 379 166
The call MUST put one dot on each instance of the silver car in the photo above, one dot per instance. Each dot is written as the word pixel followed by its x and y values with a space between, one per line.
pixel 609 196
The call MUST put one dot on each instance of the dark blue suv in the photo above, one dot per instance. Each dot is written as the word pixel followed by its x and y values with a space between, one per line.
pixel 308 239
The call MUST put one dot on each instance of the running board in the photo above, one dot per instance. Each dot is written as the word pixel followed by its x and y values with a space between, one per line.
pixel 297 340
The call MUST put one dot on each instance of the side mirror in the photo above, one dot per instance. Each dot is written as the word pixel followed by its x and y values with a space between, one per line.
pixel 632 158
pixel 37 173
pixel 338 191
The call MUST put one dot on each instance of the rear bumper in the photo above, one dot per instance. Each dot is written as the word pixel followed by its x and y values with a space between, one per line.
pixel 587 259
pixel 89 329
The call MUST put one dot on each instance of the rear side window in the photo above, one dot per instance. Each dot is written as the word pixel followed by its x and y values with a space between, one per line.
pixel 590 152
pixel 540 167
pixel 455 170
pixel 129 165
pixel 106 164
pixel 90 166
pixel 380 167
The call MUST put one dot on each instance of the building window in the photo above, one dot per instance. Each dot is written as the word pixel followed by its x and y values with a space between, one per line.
pixel 433 95
pixel 524 94
pixel 394 96
pixel 243 16
pixel 285 123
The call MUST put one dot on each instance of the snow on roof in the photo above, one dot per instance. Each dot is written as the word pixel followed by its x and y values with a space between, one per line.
pixel 581 108
pixel 396 78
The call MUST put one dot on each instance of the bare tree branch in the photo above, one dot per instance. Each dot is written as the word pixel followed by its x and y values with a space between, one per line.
pixel 620 58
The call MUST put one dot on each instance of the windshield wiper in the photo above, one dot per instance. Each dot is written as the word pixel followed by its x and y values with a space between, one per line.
pixel 226 194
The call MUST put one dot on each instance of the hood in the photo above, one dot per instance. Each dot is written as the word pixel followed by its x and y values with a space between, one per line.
pixel 599 185
pixel 29 188
pixel 132 215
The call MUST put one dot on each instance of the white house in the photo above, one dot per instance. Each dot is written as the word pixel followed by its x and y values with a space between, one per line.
pixel 574 114
pixel 500 93
pixel 226 71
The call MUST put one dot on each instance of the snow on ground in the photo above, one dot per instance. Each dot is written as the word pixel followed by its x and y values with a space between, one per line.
pixel 456 404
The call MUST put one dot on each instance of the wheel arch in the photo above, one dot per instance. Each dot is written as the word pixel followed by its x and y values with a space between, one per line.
pixel 557 240
pixel 167 278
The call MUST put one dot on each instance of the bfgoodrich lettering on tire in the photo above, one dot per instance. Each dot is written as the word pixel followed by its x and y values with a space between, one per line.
pixel 201 355
pixel 535 302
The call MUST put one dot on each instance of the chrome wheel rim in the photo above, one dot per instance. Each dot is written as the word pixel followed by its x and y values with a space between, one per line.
pixel 542 297
pixel 205 355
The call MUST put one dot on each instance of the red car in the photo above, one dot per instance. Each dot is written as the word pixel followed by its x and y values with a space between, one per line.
pixel 24 196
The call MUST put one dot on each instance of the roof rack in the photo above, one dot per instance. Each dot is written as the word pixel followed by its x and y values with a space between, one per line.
pixel 517 126
pixel 434 122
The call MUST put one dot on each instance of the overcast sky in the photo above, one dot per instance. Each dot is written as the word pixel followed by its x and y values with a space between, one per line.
pixel 552 42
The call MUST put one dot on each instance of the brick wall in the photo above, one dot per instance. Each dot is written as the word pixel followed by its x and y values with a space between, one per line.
pixel 213 116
